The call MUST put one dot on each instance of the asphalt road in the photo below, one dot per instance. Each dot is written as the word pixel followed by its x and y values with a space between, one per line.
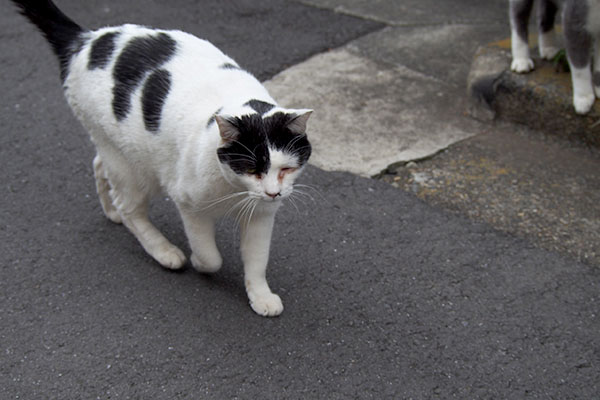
pixel 385 296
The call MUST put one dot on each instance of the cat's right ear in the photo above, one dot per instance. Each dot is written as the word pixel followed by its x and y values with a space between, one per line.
pixel 227 129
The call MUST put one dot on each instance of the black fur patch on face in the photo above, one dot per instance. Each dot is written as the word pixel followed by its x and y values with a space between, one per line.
pixel 140 56
pixel 259 106
pixel 249 153
pixel 102 50
pixel 283 139
pixel 155 93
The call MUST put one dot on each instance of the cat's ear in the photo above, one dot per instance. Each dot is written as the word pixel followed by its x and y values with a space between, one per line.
pixel 228 131
pixel 299 119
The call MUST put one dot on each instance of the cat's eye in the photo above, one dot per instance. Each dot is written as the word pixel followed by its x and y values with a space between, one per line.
pixel 254 172
pixel 284 171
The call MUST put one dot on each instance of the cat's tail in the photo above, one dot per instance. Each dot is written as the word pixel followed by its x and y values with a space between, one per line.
pixel 64 35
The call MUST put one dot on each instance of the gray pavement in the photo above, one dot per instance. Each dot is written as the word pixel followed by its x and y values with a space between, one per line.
pixel 386 296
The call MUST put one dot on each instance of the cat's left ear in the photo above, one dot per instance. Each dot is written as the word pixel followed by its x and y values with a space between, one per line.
pixel 227 129
pixel 298 122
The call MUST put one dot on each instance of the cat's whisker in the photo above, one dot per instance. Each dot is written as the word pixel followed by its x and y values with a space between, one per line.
pixel 254 204
pixel 306 195
pixel 242 156
pixel 232 208
pixel 315 190
pixel 247 209
pixel 213 203
pixel 293 202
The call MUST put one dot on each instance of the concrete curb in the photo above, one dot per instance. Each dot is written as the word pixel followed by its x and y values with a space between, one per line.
pixel 541 99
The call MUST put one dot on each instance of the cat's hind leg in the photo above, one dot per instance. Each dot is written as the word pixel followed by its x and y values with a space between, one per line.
pixel 130 198
pixel 103 189
pixel 546 15
pixel 519 11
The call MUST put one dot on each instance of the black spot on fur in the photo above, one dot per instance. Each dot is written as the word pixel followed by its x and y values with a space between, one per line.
pixel 259 106
pixel 140 56
pixel 229 66
pixel 154 95
pixel 102 50
pixel 211 120
pixel 249 153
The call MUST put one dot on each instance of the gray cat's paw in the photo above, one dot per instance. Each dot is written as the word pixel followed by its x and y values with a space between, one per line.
pixel 521 65
pixel 268 305
pixel 583 104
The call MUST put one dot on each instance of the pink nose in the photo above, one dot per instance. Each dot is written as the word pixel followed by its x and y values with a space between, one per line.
pixel 273 195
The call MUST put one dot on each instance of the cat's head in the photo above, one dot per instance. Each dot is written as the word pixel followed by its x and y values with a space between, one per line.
pixel 264 154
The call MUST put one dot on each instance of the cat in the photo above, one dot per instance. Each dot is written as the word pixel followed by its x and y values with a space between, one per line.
pixel 581 25
pixel 169 112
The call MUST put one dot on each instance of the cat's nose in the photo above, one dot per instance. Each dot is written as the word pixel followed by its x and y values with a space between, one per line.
pixel 273 195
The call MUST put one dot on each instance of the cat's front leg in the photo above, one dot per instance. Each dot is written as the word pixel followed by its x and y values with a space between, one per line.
pixel 579 45
pixel 519 18
pixel 200 231
pixel 548 45
pixel 255 244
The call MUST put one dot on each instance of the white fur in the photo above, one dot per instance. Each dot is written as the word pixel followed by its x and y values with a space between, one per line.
pixel 181 159
pixel 583 91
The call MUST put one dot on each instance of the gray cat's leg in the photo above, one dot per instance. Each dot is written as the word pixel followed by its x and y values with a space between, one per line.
pixel 255 244
pixel 200 231
pixel 519 11
pixel 579 46
pixel 596 74
pixel 546 14
pixel 131 201
pixel 103 189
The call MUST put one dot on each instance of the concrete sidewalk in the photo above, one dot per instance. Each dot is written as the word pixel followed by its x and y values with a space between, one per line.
pixel 397 94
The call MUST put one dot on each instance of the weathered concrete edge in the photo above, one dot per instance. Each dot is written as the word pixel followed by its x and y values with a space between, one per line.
pixel 542 99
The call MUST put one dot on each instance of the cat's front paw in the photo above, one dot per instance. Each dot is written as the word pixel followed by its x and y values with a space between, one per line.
pixel 170 257
pixel 583 104
pixel 267 305
pixel 521 65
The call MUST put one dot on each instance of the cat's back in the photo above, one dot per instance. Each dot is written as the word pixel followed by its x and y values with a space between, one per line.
pixel 135 78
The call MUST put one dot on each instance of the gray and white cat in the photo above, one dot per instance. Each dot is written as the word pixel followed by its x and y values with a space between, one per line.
pixel 169 112
pixel 581 25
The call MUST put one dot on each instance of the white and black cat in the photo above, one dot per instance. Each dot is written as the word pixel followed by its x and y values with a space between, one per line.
pixel 170 112
pixel 581 25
